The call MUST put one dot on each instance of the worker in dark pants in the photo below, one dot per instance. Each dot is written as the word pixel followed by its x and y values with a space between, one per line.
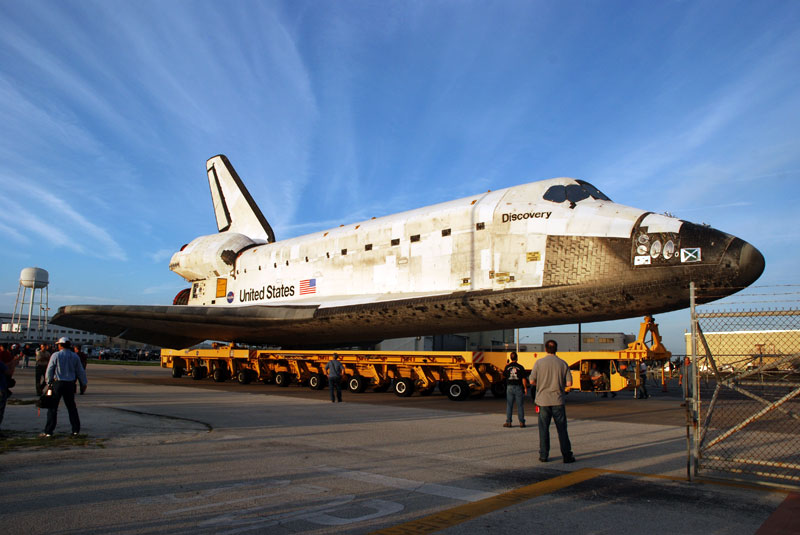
pixel 63 370
pixel 335 371
pixel 516 384
pixel 42 360
pixel 551 376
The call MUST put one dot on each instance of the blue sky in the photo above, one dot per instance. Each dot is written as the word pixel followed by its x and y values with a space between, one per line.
pixel 334 112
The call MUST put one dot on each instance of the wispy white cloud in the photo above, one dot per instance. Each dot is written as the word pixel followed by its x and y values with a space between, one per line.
pixel 707 122
pixel 161 255
pixel 59 223
pixel 164 288
pixel 82 299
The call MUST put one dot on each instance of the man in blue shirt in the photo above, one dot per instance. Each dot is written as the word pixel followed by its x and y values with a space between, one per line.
pixel 63 370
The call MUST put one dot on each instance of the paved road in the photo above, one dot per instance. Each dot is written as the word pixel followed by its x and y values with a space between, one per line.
pixel 181 456
pixel 661 408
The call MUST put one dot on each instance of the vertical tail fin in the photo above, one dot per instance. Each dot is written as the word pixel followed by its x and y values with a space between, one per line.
pixel 235 209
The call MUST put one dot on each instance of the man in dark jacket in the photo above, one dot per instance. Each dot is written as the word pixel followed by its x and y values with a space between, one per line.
pixel 516 383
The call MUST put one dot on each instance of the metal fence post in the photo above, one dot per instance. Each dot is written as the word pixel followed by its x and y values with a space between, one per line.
pixel 690 398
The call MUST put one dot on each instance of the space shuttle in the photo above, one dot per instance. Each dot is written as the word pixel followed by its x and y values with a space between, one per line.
pixel 550 252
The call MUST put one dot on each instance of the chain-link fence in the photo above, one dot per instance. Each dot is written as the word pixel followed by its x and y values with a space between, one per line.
pixel 744 396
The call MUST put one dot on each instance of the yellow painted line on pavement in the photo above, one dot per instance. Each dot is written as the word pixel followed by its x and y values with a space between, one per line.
pixel 462 513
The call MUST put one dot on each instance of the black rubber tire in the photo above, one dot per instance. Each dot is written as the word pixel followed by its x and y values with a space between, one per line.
pixel 244 377
pixel 499 389
pixel 404 387
pixel 316 381
pixel 356 384
pixel 220 375
pixel 177 372
pixel 283 379
pixel 199 372
pixel 458 390
pixel 443 385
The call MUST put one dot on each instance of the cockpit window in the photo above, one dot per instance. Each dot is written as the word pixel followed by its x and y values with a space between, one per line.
pixel 556 194
pixel 593 191
pixel 574 193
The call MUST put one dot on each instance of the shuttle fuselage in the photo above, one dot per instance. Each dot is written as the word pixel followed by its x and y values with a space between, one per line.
pixel 549 252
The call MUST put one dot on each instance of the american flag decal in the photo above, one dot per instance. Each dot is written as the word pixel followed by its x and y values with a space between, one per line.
pixel 308 286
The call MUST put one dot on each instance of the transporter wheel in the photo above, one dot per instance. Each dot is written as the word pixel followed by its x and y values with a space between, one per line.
pixel 443 386
pixel 499 389
pixel 458 390
pixel 404 387
pixel 244 377
pixel 357 384
pixel 177 372
pixel 316 381
pixel 283 378
pixel 220 375
pixel 199 372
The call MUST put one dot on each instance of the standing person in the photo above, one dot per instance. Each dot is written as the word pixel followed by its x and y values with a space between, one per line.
pixel 600 381
pixel 28 352
pixel 82 356
pixel 551 376
pixel 516 384
pixel 7 358
pixel 335 371
pixel 4 391
pixel 15 356
pixel 64 368
pixel 641 390
pixel 42 360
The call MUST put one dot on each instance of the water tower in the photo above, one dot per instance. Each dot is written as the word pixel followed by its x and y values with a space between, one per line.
pixel 32 279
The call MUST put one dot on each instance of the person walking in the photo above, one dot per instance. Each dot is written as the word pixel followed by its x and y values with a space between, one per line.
pixel 516 384
pixel 63 370
pixel 551 376
pixel 42 360
pixel 335 371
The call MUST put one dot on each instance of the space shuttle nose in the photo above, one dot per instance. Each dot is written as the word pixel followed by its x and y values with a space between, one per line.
pixel 751 264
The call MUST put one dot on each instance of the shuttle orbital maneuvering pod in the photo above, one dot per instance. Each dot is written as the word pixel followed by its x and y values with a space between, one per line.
pixel 546 253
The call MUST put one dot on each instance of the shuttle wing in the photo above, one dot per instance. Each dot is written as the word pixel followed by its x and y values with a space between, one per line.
pixel 179 326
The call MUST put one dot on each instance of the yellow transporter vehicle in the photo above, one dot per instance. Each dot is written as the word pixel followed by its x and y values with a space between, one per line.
pixel 458 374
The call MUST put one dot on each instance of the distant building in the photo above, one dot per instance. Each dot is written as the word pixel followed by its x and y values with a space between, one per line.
pixel 590 341
pixel 501 340
pixel 16 333
pixel 745 349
